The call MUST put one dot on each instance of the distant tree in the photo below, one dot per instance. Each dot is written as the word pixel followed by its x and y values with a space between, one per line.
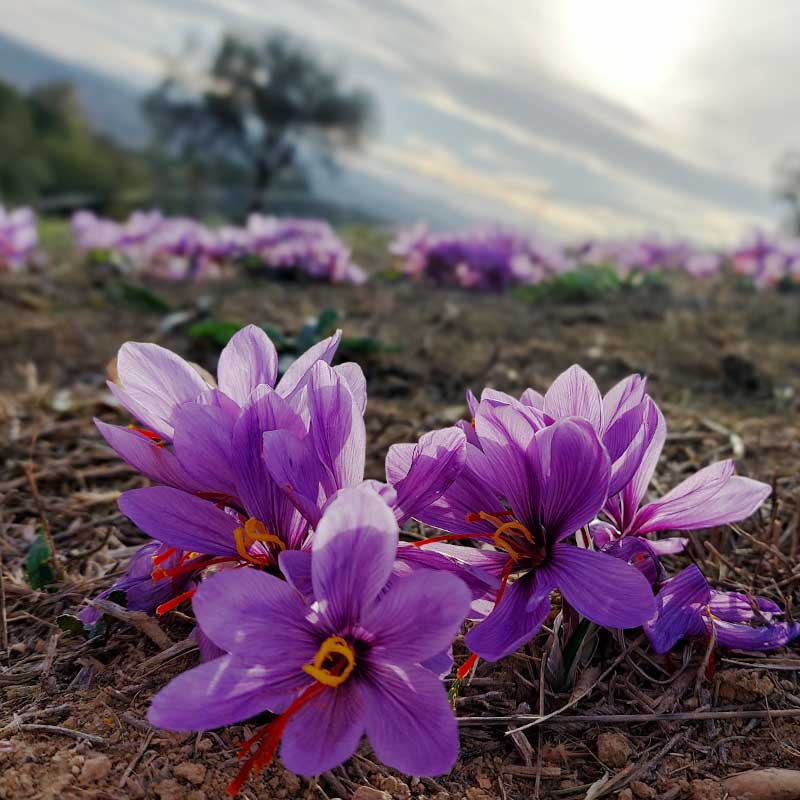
pixel 255 109
pixel 787 187
pixel 50 152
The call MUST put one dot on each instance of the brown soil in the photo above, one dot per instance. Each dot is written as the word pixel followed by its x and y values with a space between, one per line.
pixel 724 365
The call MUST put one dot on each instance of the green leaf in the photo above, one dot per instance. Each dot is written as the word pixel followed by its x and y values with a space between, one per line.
pixel 364 345
pixel 73 626
pixel 326 322
pixel 139 298
pixel 39 563
pixel 217 331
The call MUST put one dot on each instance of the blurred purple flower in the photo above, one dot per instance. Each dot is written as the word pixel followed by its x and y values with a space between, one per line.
pixel 18 237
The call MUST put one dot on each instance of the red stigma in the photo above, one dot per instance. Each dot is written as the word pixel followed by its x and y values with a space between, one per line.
pixel 268 738
pixel 152 435
pixel 175 602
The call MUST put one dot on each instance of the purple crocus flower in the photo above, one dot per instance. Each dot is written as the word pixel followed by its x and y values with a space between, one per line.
pixel 712 496
pixel 253 521
pixel 18 237
pixel 157 386
pixel 688 606
pixel 142 592
pixel 623 417
pixel 347 664
pixel 525 488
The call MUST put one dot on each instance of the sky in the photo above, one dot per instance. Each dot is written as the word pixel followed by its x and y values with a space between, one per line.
pixel 574 117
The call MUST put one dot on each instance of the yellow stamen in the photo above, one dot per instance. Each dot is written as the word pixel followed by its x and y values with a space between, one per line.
pixel 508 546
pixel 331 647
pixel 254 531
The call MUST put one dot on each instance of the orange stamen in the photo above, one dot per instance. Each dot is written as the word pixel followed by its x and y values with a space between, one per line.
pixel 164 608
pixel 268 739
pixel 255 531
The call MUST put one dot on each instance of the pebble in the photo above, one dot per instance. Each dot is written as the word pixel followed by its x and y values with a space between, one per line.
pixel 94 769
pixel 613 749
pixel 194 773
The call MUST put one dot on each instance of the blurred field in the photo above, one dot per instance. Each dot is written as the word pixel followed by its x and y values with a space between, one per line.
pixel 723 363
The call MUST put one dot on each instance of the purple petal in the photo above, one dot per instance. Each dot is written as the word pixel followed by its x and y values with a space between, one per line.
pixel 248 360
pixel 468 494
pixel 326 732
pixel 478 569
pixel 575 394
pixel 421 473
pixel 409 722
pixel 679 606
pixel 515 621
pixel 203 446
pixel 354 549
pixel 636 489
pixel 441 665
pixel 638 553
pixel 712 496
pixel 602 588
pixel 532 398
pixel 628 393
pixel 296 568
pixel 354 378
pixel 158 381
pixel 418 617
pixel 261 495
pixel 294 467
pixel 259 618
pixel 217 693
pixel 181 520
pixel 506 435
pixel 759 639
pixel 667 547
pixel 337 427
pixel 570 472
pixel 295 377
pixel 153 461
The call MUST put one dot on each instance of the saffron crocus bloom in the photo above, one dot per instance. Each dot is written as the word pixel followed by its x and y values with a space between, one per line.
pixel 255 521
pixel 18 237
pixel 622 419
pixel 525 489
pixel 688 606
pixel 347 664
pixel 712 496
pixel 162 390
pixel 141 591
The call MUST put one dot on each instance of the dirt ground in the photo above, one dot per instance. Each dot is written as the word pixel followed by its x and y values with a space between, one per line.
pixel 724 364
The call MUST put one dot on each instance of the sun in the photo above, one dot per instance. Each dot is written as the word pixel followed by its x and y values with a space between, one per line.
pixel 631 49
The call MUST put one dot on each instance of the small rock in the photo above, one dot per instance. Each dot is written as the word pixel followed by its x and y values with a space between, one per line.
pixel 194 773
pixel 368 793
pixel 706 789
pixel 613 749
pixel 642 790
pixel 169 789
pixel 196 794
pixel 95 769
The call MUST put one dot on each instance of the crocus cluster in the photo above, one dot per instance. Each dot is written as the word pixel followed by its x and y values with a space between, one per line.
pixel 314 601
pixel 768 260
pixel 18 238
pixel 481 259
pixel 179 248
pixel 492 259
